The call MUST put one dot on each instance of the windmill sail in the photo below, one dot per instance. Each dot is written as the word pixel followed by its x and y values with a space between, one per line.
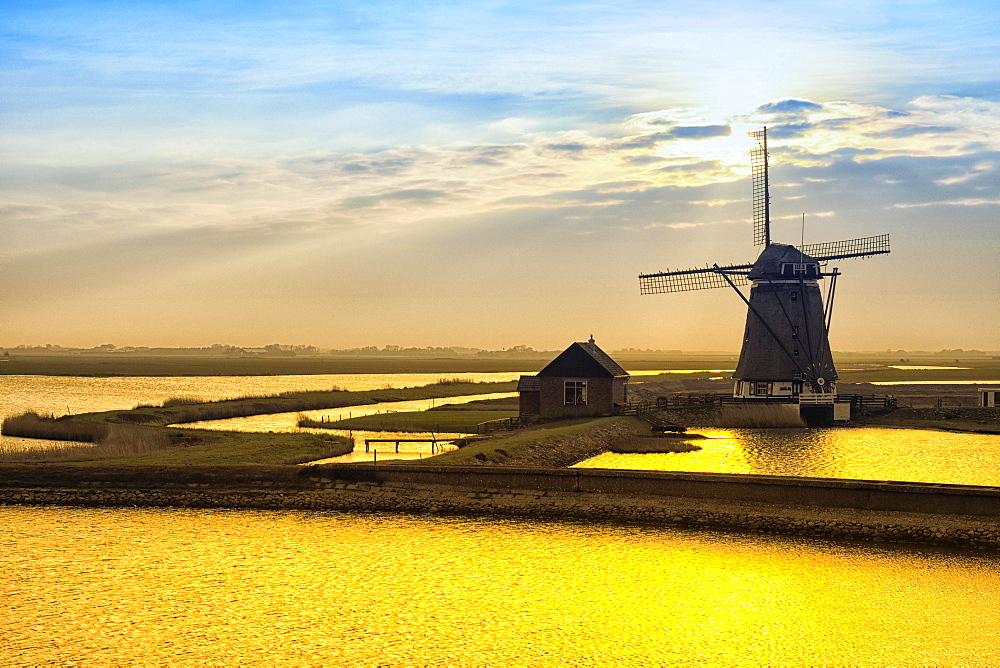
pixel 837 250
pixel 761 190
pixel 786 354
pixel 693 279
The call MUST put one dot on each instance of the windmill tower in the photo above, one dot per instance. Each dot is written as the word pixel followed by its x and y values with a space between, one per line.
pixel 786 350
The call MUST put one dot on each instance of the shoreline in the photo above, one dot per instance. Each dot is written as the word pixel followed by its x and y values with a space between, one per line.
pixel 863 511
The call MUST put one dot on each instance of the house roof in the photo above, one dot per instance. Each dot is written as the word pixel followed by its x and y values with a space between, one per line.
pixel 583 360
pixel 529 384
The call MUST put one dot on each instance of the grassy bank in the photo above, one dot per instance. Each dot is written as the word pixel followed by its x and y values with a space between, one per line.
pixel 179 410
pixel 971 419
pixel 130 445
pixel 560 443
pixel 241 448
pixel 141 435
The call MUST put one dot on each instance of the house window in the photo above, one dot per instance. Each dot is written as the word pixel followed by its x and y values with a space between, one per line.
pixel 575 392
pixel 762 389
pixel 794 296
pixel 795 332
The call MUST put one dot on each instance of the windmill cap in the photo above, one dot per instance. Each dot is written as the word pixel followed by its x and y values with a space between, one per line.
pixel 775 260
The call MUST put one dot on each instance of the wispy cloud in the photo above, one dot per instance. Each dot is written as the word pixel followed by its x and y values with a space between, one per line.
pixel 223 146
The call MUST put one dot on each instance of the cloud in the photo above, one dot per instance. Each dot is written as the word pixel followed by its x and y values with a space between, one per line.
pixel 327 190
pixel 567 147
pixel 912 131
pixel 978 201
pixel 789 106
pixel 716 202
pixel 643 159
pixel 209 149
pixel 789 130
pixel 701 132
pixel 414 195
pixel 651 140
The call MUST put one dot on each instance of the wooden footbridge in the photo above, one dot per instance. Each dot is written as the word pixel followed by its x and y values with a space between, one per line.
pixel 396 441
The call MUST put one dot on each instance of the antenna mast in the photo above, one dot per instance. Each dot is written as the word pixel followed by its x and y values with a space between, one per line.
pixel 761 191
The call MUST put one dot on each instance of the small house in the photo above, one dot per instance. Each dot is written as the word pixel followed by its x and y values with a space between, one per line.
pixel 989 397
pixel 583 380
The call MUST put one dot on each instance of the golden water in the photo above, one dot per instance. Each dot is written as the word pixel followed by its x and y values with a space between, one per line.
pixel 72 394
pixel 60 395
pixel 286 422
pixel 867 453
pixel 127 586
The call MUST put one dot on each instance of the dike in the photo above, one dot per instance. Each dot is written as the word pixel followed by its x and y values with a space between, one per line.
pixel 962 516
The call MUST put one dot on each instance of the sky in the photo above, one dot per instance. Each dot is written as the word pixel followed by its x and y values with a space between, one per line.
pixel 488 174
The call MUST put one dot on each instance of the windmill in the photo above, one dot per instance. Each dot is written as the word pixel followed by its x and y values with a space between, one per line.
pixel 786 350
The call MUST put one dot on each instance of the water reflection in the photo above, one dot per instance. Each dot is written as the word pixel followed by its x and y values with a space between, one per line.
pixel 287 422
pixel 386 449
pixel 61 395
pixel 128 586
pixel 865 453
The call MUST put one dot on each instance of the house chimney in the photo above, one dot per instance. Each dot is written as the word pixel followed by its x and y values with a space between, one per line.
pixel 591 339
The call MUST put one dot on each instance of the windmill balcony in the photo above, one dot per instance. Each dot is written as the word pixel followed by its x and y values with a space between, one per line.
pixel 812 398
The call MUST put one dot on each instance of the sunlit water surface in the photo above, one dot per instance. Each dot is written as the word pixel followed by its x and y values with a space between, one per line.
pixel 128 586
pixel 288 422
pixel 863 453
pixel 59 395
pixel 75 394
pixel 866 453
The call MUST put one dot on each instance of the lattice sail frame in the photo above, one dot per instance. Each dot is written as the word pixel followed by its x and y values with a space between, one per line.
pixel 715 277
pixel 709 278
pixel 761 189
pixel 693 279
pixel 836 250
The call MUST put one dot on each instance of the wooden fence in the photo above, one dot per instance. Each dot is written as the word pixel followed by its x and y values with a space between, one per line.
pixel 503 424
pixel 708 400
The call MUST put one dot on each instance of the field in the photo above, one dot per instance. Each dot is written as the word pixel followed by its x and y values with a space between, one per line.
pixel 142 365
pixel 561 443
pixel 125 364
pixel 141 435
pixel 853 367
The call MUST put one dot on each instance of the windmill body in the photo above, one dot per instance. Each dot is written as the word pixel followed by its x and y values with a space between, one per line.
pixel 786 349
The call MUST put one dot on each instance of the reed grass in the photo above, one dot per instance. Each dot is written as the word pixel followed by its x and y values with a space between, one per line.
pixel 450 381
pixel 115 441
pixel 182 401
pixel 33 425
pixel 141 435
pixel 291 402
